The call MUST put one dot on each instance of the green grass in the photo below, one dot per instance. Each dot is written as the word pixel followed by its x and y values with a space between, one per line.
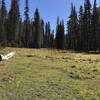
pixel 42 74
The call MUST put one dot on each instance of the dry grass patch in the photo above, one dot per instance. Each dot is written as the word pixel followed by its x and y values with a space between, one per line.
pixel 47 74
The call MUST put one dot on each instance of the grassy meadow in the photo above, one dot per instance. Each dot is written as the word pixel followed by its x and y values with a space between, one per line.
pixel 46 74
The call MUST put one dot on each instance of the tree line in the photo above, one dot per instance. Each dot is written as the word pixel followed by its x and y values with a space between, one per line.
pixel 28 33
pixel 83 28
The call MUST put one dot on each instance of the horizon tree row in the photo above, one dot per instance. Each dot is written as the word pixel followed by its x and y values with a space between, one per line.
pixel 29 33
pixel 84 30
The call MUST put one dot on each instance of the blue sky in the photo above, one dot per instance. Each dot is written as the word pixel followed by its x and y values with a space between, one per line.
pixel 50 9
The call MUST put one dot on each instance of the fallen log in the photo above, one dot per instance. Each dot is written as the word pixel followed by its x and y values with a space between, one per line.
pixel 6 57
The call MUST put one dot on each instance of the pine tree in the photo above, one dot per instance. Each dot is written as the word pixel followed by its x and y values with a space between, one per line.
pixel 3 19
pixel 13 22
pixel 47 35
pixel 20 42
pixel 33 34
pixel 94 24
pixel 87 25
pixel 98 31
pixel 59 41
pixel 81 29
pixel 38 35
pixel 42 32
pixel 45 42
pixel 57 37
pixel 26 29
pixel 73 34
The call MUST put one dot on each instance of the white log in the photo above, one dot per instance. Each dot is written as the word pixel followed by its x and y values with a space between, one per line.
pixel 8 56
